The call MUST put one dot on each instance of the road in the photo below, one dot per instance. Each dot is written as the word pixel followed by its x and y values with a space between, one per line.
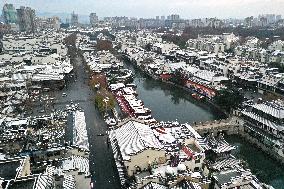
pixel 102 166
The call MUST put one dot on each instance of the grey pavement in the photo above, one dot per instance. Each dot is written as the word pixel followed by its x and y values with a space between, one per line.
pixel 102 165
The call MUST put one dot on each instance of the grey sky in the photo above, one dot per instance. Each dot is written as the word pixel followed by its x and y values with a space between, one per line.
pixel 151 8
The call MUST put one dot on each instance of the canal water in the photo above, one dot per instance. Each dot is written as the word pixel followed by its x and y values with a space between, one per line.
pixel 170 103
pixel 264 167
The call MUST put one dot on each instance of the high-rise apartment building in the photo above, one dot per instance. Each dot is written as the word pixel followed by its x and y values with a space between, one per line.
pixel 173 17
pixel 26 19
pixel 278 18
pixel 270 18
pixel 47 23
pixel 9 14
pixel 74 19
pixel 93 19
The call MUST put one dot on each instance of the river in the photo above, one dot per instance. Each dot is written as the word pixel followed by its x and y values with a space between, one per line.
pixel 170 103
pixel 264 167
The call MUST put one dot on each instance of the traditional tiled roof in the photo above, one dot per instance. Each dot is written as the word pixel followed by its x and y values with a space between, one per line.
pixel 187 184
pixel 262 120
pixel 276 109
pixel 43 182
pixel 225 164
pixel 153 185
pixel 80 131
pixel 219 145
pixel 134 137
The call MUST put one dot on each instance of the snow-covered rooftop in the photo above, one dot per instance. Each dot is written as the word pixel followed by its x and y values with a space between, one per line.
pixel 134 137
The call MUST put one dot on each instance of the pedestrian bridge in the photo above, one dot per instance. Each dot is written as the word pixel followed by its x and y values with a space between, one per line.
pixel 232 125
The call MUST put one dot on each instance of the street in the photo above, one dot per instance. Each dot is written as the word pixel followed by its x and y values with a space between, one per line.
pixel 102 166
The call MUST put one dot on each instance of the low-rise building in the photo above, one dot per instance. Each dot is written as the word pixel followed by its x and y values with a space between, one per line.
pixel 235 179
pixel 264 123
pixel 153 153
pixel 138 146
pixel 276 45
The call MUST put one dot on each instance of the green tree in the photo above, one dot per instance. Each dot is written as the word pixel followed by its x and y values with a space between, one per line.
pixel 100 100
pixel 277 65
pixel 148 47
pixel 70 40
pixel 176 39
pixel 228 99
pixel 98 79
pixel 178 77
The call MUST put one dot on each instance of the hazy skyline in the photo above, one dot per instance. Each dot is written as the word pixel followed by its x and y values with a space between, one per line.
pixel 152 8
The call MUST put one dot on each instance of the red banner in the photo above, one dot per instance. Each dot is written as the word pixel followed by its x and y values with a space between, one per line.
pixel 206 91
pixel 188 152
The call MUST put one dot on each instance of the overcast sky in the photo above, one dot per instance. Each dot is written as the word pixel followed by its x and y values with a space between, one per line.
pixel 151 8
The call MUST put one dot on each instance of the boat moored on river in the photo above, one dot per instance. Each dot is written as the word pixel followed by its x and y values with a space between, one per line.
pixel 130 105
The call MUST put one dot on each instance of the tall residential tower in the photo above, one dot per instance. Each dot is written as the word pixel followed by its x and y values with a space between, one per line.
pixel 93 19
pixel 26 19
pixel 9 14
pixel 74 19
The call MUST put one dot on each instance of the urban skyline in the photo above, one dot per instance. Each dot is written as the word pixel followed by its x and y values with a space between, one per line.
pixel 149 9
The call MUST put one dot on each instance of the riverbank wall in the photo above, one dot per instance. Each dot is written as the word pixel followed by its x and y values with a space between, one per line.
pixel 271 152
pixel 234 126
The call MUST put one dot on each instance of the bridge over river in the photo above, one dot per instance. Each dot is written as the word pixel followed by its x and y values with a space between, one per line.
pixel 231 125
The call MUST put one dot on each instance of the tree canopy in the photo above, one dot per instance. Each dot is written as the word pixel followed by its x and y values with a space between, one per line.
pixel 176 39
pixel 104 100
pixel 98 79
pixel 259 32
pixel 228 99
pixel 105 45
pixel 71 40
